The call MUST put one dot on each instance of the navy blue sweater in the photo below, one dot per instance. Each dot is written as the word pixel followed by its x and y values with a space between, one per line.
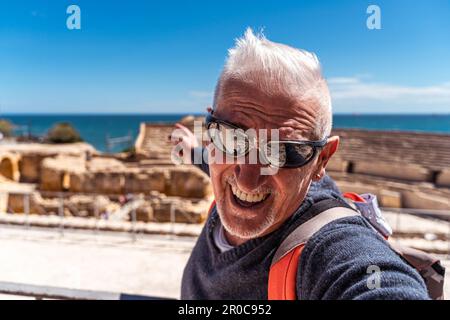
pixel 335 263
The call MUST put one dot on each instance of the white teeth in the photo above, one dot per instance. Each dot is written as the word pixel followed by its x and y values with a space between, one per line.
pixel 255 197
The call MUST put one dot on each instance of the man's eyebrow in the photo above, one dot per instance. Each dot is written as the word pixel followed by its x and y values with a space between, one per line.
pixel 241 126
pixel 236 123
pixel 297 135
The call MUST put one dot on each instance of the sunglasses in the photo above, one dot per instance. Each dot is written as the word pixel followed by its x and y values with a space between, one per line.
pixel 233 141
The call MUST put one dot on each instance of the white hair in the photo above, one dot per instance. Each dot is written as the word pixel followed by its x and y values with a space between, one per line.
pixel 276 68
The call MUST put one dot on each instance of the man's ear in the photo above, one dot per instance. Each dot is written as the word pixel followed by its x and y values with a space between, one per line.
pixel 327 152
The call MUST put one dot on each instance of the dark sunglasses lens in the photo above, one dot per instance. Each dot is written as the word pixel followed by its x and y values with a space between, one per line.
pixel 229 140
pixel 297 154
pixel 281 154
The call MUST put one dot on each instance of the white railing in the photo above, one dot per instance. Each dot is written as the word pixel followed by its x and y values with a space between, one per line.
pixel 126 214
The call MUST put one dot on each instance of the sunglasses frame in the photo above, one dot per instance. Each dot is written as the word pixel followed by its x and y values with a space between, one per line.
pixel 315 144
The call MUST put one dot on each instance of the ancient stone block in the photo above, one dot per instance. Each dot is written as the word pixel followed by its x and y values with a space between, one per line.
pixel 390 199
pixel 109 182
pixel 56 173
pixel 443 179
pixel 145 213
pixel 30 167
pixel 105 165
pixel 421 200
pixel 409 172
pixel 347 186
pixel 77 182
pixel 157 180
pixel 16 203
pixel 177 210
pixel 337 164
pixel 9 166
pixel 188 182
pixel 162 211
pixel 51 180
pixel 145 182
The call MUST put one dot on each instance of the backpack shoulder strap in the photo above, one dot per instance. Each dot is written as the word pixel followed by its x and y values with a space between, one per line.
pixel 283 270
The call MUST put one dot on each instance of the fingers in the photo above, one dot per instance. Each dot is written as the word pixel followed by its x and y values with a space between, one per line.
pixel 184 135
pixel 176 132
pixel 176 137
pixel 180 126
pixel 186 130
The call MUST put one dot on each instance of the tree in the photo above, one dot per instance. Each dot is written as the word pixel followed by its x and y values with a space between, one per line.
pixel 6 128
pixel 63 132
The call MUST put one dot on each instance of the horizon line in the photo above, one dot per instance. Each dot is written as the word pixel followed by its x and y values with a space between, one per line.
pixel 204 113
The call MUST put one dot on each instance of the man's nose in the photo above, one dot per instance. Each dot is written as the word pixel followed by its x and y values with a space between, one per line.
pixel 248 176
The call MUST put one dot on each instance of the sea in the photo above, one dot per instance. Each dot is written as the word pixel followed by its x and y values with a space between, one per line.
pixel 97 129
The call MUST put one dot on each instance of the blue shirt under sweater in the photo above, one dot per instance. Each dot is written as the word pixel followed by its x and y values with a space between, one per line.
pixel 334 263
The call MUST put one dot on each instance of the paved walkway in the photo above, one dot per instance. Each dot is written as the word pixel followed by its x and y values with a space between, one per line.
pixel 152 265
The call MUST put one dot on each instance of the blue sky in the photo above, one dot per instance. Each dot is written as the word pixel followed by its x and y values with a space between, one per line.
pixel 165 56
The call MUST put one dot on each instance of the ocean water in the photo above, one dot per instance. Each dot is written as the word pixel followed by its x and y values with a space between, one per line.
pixel 96 128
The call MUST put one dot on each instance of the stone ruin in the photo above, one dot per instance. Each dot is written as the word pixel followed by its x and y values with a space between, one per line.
pixel 85 183
pixel 404 169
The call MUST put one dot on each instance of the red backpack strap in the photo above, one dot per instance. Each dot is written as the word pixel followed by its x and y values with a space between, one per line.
pixel 282 276
pixel 353 197
pixel 282 283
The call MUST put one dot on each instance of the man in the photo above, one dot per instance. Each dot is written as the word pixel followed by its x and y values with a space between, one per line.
pixel 265 85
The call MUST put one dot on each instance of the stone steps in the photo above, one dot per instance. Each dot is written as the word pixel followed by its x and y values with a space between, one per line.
pixel 424 149
pixel 155 143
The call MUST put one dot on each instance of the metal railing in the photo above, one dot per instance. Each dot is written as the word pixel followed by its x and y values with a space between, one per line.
pixel 112 142
pixel 436 215
pixel 126 211
pixel 49 292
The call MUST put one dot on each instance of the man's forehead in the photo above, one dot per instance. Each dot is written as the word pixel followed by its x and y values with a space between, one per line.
pixel 248 107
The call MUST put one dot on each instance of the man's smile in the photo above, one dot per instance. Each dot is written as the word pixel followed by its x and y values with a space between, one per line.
pixel 248 200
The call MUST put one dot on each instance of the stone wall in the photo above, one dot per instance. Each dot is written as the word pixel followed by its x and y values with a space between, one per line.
pixel 405 171
pixel 395 194
pixel 110 176
pixel 9 166
pixel 154 208
pixel 30 156
pixel 443 178
pixel 30 167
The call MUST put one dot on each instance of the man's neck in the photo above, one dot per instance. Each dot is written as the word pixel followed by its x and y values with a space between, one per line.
pixel 233 240
pixel 236 241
